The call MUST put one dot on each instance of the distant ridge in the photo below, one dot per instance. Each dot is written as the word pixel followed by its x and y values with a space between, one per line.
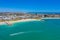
pixel 31 12
pixel 44 12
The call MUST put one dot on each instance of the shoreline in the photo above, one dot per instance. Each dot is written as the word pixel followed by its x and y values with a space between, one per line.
pixel 23 20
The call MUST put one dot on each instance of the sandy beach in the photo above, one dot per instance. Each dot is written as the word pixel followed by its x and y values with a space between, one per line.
pixel 23 20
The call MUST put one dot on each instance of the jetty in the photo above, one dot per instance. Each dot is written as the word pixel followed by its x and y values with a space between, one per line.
pixel 7 22
pixel 50 18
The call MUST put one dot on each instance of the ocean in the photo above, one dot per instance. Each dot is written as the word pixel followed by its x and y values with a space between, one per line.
pixel 49 29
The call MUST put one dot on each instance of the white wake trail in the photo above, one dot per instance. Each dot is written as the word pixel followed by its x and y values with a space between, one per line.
pixel 18 33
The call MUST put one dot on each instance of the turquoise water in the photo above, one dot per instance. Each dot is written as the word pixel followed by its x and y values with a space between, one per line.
pixel 33 30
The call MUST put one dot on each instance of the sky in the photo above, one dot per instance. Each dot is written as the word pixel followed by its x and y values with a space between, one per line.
pixel 29 5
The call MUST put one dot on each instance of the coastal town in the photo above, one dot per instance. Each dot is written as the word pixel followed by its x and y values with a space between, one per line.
pixel 15 16
pixel 8 16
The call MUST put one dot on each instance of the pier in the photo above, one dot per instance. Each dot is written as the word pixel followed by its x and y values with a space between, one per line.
pixel 9 23
pixel 50 18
